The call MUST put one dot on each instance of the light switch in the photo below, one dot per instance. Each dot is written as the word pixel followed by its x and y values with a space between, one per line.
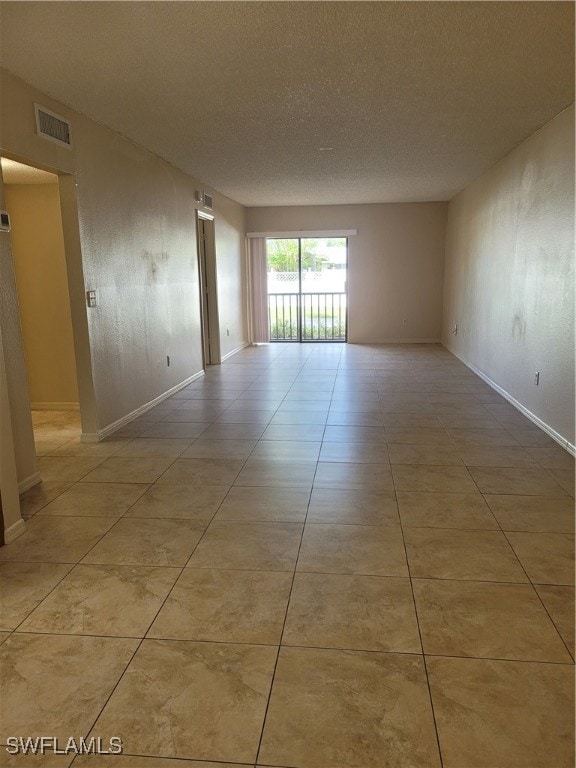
pixel 91 298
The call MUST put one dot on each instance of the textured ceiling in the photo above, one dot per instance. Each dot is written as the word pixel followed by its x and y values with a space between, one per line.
pixel 18 173
pixel 414 99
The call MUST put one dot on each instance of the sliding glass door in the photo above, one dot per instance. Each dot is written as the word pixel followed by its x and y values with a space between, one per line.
pixel 307 288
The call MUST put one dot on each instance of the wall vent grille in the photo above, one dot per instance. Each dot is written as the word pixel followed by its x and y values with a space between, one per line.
pixel 53 127
pixel 208 201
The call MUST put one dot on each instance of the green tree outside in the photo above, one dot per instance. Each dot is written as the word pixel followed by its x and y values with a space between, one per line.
pixel 283 255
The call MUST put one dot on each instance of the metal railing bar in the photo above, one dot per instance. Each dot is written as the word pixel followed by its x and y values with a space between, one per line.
pixel 310 316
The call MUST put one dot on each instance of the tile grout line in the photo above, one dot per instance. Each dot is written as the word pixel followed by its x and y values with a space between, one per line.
pixel 273 678
pixel 426 393
pixel 144 637
pixel 424 662
pixel 504 533
pixel 141 640
pixel 532 584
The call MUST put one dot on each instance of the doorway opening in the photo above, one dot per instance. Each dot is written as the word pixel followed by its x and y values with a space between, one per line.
pixel 32 199
pixel 307 285
pixel 209 320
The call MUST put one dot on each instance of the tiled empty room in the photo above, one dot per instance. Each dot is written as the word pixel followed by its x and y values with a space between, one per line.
pixel 287 384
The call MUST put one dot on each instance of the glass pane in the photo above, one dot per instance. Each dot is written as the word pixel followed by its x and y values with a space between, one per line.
pixel 324 265
pixel 283 288
pixel 324 288
pixel 282 258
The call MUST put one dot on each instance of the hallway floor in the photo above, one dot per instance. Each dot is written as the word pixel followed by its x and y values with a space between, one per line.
pixel 315 556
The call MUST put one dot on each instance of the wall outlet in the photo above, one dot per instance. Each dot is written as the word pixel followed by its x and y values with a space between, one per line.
pixel 91 298
pixel 455 330
pixel 4 221
pixel 168 360
pixel 537 378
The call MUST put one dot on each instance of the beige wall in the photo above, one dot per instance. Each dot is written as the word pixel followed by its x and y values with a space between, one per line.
pixel 12 522
pixel 229 233
pixel 510 274
pixel 15 402
pixel 395 263
pixel 137 241
pixel 40 267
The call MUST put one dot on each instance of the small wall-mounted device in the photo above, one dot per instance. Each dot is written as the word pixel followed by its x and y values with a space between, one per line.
pixel 4 221
pixel 204 199
pixel 91 298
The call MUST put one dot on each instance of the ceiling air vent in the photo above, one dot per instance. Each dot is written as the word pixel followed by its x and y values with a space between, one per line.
pixel 52 126
pixel 207 201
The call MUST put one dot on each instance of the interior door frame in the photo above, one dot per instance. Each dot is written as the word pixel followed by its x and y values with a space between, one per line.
pixel 67 191
pixel 208 287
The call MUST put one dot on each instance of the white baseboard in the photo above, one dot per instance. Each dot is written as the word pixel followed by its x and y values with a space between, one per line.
pixel 235 351
pixel 15 530
pixel 350 341
pixel 55 406
pixel 395 341
pixel 560 439
pixel 29 482
pixel 96 437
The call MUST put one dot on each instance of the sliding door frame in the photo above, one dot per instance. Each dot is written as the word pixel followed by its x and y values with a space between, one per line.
pixel 299 303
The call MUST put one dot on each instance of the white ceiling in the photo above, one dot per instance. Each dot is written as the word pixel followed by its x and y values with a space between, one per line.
pixel 18 173
pixel 415 99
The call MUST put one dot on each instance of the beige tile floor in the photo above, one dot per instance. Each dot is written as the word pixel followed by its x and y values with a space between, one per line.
pixel 316 556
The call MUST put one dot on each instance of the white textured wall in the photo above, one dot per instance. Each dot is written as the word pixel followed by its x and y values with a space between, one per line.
pixel 395 263
pixel 509 283
pixel 137 231
pixel 136 217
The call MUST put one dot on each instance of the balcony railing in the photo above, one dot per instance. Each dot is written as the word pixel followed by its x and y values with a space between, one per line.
pixel 307 316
